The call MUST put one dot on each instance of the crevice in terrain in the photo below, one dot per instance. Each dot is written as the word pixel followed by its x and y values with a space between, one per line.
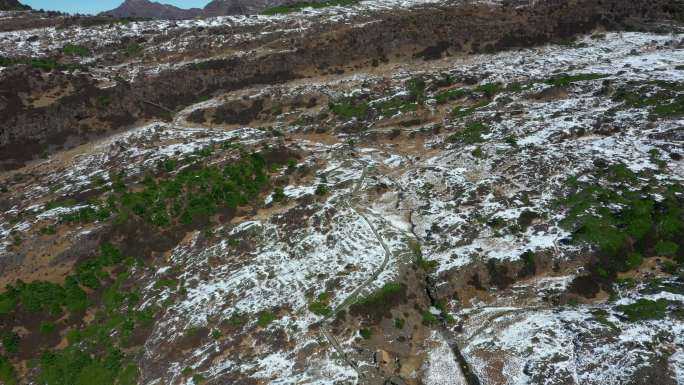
pixel 470 377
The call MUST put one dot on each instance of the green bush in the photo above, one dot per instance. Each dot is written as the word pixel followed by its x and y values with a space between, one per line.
pixel 448 95
pixel 471 133
pixel 298 6
pixel 349 108
pixel 489 89
pixel 399 323
pixel 429 318
pixel 10 341
pixel 8 376
pixel 644 309
pixel 566 80
pixel 321 190
pixel 265 318
pixel 320 308
pixel 365 333
pixel 278 194
pixel 75 50
pixel 666 248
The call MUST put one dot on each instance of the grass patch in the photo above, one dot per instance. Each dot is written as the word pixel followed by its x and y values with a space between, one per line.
pixel 644 309
pixel 299 6
pixel 471 133
pixel 349 108
pixel 365 333
pixel 8 375
pixel 429 318
pixel 265 318
pixel 489 89
pixel 320 308
pixel 625 220
pixel 379 303
pixel 565 80
pixel 76 50
pixel 449 95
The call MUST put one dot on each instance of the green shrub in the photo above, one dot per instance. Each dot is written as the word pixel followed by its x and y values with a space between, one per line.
pixel 488 89
pixel 644 309
pixel 471 133
pixel 75 50
pixel 365 333
pixel 349 108
pixel 634 260
pixel 133 50
pixel 320 308
pixel 298 6
pixel 47 327
pixel 429 318
pixel 666 248
pixel 399 323
pixel 8 376
pixel 278 194
pixel 448 95
pixel 566 80
pixel 10 341
pixel 265 318
pixel 321 190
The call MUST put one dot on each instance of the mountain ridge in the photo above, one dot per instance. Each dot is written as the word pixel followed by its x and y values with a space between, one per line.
pixel 156 10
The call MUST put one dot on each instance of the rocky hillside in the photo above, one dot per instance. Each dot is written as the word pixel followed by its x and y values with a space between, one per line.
pixel 363 193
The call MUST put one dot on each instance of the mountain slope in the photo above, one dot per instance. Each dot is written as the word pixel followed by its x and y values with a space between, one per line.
pixel 151 9
pixel 13 5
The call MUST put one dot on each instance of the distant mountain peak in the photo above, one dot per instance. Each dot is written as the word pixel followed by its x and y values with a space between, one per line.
pixel 151 9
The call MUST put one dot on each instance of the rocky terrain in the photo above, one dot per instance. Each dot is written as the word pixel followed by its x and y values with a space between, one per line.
pixel 388 192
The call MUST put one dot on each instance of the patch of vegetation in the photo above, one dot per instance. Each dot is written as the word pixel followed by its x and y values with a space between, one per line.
pixel 565 80
pixel 321 190
pixel 625 220
pixel 664 98
pixel 265 318
pixel 429 318
pixel 399 323
pixel 529 268
pixel 416 90
pixel 489 89
pixel 478 153
pixel 420 261
pixel 379 303
pixel 278 194
pixel 133 50
pixel 395 105
pixel 8 375
pixel 320 306
pixel 644 309
pixel 76 50
pixel 349 108
pixel 299 6
pixel 498 274
pixel 449 95
pixel 10 342
pixel 365 333
pixel 470 134
pixel 601 316
pixel 462 112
